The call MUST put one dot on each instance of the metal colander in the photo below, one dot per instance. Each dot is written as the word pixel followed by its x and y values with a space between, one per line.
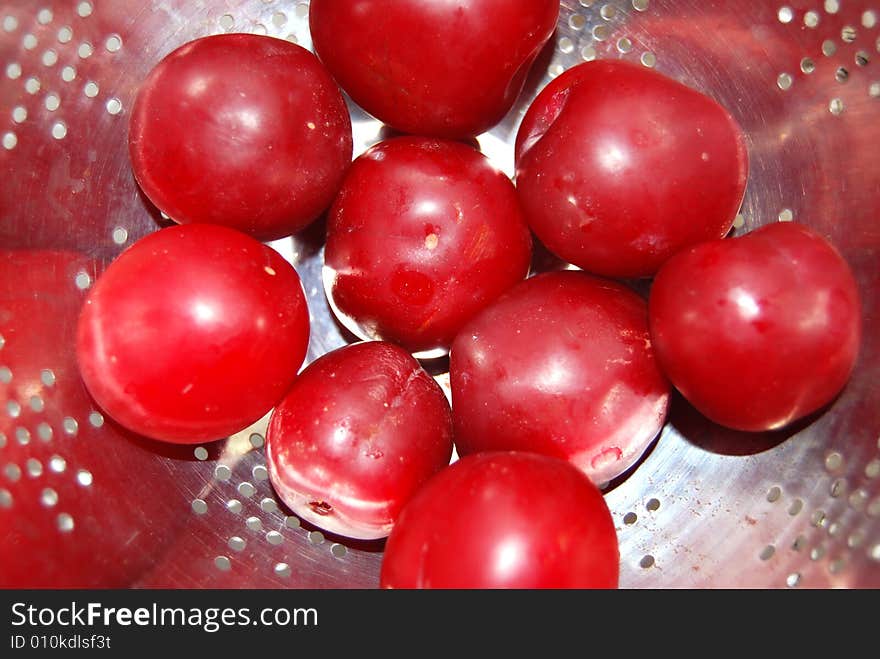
pixel 708 507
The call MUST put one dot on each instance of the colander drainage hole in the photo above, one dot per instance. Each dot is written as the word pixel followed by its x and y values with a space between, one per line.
pixel 65 523
pixel 82 280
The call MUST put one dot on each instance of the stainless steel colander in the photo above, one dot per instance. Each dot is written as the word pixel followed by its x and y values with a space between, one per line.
pixel 708 507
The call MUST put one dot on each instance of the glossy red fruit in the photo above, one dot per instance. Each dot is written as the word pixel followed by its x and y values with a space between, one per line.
pixel 78 497
pixel 241 130
pixel 560 365
pixel 423 235
pixel 504 520
pixel 432 67
pixel 618 167
pixel 361 430
pixel 757 331
pixel 193 333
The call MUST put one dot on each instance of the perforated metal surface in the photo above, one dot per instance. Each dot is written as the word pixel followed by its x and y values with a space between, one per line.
pixel 707 507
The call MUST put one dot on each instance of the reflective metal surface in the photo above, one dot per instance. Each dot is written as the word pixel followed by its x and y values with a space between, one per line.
pixel 707 507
